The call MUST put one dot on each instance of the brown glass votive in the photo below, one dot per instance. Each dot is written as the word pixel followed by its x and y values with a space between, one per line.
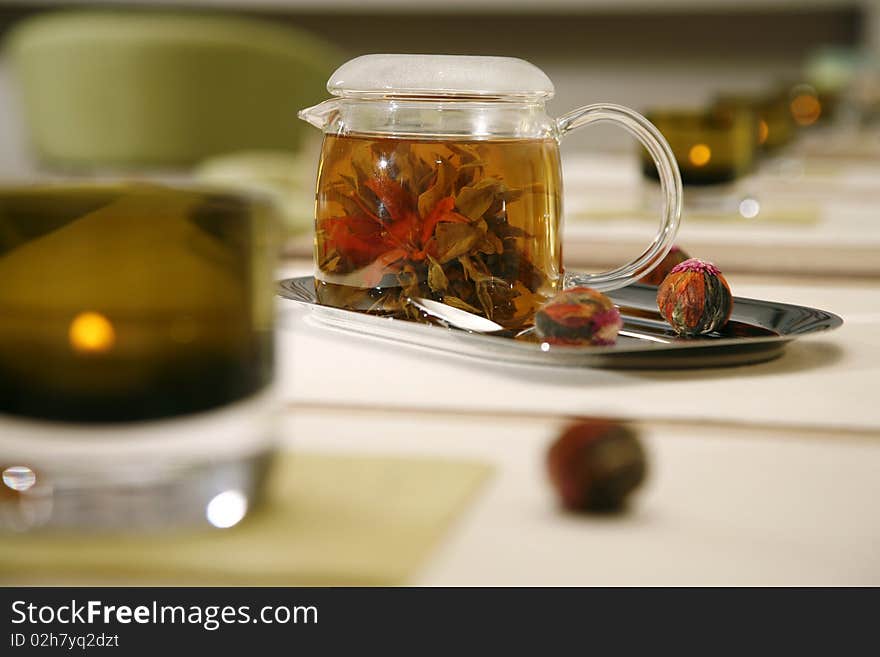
pixel 136 349
pixel 711 146
pixel 809 107
pixel 131 303
pixel 775 124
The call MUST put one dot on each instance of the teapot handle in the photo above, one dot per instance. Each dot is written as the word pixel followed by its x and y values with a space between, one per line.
pixel 670 185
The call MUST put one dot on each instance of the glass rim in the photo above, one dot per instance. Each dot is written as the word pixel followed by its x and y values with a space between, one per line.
pixel 443 95
pixel 114 183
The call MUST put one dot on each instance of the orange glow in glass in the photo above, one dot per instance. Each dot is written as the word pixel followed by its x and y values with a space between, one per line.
pixel 699 155
pixel 763 131
pixel 806 109
pixel 91 332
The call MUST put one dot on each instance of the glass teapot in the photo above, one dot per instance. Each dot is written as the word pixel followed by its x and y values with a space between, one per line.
pixel 440 179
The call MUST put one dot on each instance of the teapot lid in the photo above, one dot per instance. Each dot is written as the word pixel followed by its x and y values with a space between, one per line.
pixel 440 75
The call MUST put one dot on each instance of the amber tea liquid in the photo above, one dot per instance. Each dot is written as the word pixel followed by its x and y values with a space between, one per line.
pixel 473 224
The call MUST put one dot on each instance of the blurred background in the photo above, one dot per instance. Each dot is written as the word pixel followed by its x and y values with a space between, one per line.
pixel 634 52
pixel 176 96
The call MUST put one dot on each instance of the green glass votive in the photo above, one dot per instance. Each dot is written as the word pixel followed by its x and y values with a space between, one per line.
pixel 809 107
pixel 711 146
pixel 775 124
pixel 136 353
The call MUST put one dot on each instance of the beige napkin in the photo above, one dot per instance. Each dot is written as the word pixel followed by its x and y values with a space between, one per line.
pixel 329 520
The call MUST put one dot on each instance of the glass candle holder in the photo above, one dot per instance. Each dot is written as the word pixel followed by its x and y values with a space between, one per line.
pixel 775 123
pixel 809 107
pixel 136 354
pixel 711 146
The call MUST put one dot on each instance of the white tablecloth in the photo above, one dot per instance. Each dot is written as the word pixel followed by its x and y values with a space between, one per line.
pixel 764 474
pixel 829 380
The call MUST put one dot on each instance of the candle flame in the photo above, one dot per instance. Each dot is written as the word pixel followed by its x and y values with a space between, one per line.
pixel 91 332
pixel 806 109
pixel 699 155
pixel 763 132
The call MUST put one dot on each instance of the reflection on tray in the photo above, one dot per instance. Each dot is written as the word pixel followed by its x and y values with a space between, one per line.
pixel 758 331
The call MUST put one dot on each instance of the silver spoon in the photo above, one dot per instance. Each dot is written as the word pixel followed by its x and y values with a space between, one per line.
pixel 462 319
pixel 456 317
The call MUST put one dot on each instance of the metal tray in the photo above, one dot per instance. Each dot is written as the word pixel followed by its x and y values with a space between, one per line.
pixel 758 331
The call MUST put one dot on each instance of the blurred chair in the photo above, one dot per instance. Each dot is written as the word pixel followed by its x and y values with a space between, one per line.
pixel 136 88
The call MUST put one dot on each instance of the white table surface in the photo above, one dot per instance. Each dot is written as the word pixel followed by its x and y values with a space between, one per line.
pixel 722 505
pixel 767 474
pixel 829 380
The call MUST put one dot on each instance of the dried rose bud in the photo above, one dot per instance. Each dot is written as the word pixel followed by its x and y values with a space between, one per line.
pixel 661 271
pixel 579 315
pixel 695 298
pixel 595 464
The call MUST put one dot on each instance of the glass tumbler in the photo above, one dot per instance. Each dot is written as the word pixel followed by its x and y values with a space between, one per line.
pixel 136 355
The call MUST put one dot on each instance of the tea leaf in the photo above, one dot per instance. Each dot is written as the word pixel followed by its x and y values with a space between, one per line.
pixel 357 200
pixel 400 167
pixel 515 194
pixel 331 264
pixel 346 199
pixel 476 272
pixel 345 296
pixel 499 226
pixel 441 212
pixel 394 202
pixel 466 153
pixel 383 304
pixel 467 174
pixel 372 274
pixel 485 300
pixel 372 206
pixel 409 310
pixel 491 244
pixel 517 266
pixel 441 188
pixel 455 302
pixel 511 195
pixel 426 179
pixel 474 201
pixel 357 239
pixel 408 279
pixel 494 294
pixel 453 239
pixel 412 171
pixel 348 180
pixel 437 280
pixel 363 162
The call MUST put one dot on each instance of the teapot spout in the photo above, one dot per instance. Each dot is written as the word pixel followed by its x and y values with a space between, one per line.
pixel 320 115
